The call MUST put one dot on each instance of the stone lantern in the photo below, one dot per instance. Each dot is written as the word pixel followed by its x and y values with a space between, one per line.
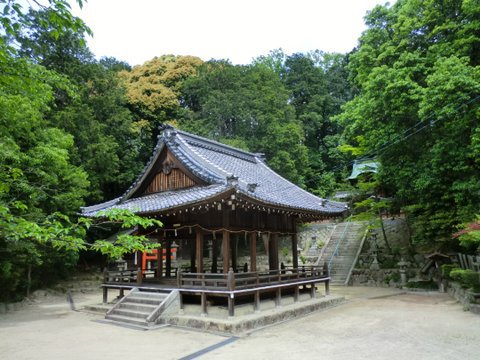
pixel 374 251
pixel 403 271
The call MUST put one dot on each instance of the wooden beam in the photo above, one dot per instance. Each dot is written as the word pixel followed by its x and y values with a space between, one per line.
pixel 253 251
pixel 199 250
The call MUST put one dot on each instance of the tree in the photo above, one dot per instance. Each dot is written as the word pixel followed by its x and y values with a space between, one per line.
pixel 41 187
pixel 153 91
pixel 417 72
pixel 93 110
pixel 246 106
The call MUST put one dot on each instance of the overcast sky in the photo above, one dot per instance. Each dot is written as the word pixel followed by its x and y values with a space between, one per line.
pixel 238 30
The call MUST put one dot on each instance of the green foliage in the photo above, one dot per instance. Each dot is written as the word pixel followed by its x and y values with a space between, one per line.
pixel 417 73
pixel 469 235
pixel 246 105
pixel 446 269
pixel 92 107
pixel 394 276
pixel 468 279
pixel 42 184
pixel 153 92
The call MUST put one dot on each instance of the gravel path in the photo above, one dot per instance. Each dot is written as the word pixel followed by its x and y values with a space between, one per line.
pixel 373 324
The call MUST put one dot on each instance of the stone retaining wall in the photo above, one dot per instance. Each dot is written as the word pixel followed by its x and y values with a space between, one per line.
pixel 377 278
pixel 463 296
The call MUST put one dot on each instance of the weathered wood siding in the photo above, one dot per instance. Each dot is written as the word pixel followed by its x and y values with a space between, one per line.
pixel 175 179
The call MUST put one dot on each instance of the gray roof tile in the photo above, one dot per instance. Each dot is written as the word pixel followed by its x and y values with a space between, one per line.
pixel 214 163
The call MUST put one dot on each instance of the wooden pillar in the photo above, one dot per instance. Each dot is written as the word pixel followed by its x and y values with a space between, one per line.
pixel 199 250
pixel 139 276
pixel 193 256
pixel 278 297
pixel 203 301
pixel 168 257
pixel 231 297
pixel 105 294
pixel 160 257
pixel 253 251
pixel 226 251
pixel 214 256
pixel 295 250
pixel 273 252
pixel 257 301
pixel 234 252
pixel 326 274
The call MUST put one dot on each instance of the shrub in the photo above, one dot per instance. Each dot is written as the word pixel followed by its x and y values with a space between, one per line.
pixel 446 269
pixel 467 278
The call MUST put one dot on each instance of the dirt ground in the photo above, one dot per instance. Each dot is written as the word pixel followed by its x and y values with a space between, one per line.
pixel 373 324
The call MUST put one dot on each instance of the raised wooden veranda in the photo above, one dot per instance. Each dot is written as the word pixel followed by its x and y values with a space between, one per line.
pixel 230 285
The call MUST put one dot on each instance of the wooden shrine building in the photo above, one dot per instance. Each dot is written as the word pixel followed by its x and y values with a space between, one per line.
pixel 209 197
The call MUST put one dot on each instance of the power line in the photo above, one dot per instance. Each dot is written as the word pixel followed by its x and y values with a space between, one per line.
pixel 405 134
pixel 409 132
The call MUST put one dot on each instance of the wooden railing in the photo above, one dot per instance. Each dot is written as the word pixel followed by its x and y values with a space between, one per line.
pixel 230 285
pixel 233 284
pixel 137 276
pixel 246 280
pixel 469 262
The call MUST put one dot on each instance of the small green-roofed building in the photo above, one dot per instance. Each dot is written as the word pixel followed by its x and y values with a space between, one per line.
pixel 363 167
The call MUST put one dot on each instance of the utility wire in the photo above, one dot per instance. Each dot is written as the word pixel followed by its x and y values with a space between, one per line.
pixel 408 133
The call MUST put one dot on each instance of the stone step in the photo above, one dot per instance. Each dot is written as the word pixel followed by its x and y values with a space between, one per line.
pixel 130 313
pixel 127 319
pixel 137 306
pixel 145 300
pixel 146 294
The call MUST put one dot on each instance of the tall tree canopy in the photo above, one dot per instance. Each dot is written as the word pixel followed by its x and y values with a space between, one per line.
pixel 94 111
pixel 317 86
pixel 246 106
pixel 58 107
pixel 153 91
pixel 417 70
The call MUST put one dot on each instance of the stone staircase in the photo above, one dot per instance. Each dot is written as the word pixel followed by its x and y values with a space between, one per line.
pixel 341 250
pixel 140 308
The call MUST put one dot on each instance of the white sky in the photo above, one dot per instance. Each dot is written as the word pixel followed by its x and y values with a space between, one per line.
pixel 238 30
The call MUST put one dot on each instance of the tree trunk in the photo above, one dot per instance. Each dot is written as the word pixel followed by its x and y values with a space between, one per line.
pixel 384 233
pixel 29 279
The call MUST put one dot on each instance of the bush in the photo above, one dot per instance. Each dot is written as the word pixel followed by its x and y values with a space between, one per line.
pixel 468 279
pixel 446 269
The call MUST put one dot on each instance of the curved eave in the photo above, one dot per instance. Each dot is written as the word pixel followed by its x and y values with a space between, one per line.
pixel 300 211
pixel 166 202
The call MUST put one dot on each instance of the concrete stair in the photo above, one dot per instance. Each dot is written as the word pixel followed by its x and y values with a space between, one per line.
pixel 341 251
pixel 136 307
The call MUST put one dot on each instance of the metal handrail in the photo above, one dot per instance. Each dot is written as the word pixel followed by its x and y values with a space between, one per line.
pixel 335 252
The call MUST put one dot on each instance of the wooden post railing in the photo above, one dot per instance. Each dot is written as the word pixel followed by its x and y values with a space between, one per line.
pixel 139 276
pixel 231 287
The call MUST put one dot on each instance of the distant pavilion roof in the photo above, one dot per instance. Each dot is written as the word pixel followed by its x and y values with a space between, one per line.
pixel 221 171
pixel 362 167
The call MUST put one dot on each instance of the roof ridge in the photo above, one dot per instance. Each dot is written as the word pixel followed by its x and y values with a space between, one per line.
pixel 215 145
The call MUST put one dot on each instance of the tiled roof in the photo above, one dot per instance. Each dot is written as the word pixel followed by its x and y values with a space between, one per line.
pixel 215 163
pixel 162 201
